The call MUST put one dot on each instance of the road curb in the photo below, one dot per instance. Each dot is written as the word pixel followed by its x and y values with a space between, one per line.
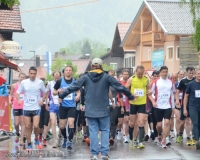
pixel 3 138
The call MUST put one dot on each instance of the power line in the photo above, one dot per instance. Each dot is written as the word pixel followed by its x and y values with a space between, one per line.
pixel 69 5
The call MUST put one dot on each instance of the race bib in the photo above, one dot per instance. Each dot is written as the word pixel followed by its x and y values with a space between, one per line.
pixel 197 93
pixel 111 102
pixel 124 98
pixel 32 99
pixel 165 95
pixel 21 96
pixel 180 95
pixel 69 97
pixel 139 92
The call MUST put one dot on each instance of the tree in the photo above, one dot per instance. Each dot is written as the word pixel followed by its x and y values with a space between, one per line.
pixel 195 11
pixel 59 65
pixel 86 49
pixel 10 3
pixel 106 67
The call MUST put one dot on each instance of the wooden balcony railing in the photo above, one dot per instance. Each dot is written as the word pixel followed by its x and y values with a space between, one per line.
pixel 147 36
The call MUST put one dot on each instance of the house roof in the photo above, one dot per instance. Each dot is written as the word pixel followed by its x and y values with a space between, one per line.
pixel 170 16
pixel 120 32
pixel 25 64
pixel 5 63
pixel 10 20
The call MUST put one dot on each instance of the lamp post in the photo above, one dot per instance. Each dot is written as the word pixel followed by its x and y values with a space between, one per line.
pixel 34 57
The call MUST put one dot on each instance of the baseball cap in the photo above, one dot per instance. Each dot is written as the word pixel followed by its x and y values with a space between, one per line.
pixel 97 62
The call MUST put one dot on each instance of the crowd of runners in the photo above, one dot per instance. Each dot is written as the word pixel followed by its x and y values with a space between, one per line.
pixel 100 107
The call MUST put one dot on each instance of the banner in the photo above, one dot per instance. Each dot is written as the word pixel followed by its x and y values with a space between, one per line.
pixel 4 114
pixel 157 59
pixel 48 61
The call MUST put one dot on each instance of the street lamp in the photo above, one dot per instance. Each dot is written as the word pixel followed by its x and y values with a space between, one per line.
pixel 34 56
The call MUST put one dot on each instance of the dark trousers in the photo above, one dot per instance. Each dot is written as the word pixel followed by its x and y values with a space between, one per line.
pixel 113 121
pixel 195 117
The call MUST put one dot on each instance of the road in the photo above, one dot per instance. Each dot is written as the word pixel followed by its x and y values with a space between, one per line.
pixel 120 151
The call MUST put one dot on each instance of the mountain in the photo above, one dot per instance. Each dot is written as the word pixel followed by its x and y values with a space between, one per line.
pixel 50 30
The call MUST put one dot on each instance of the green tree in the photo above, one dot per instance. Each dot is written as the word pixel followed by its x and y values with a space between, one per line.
pixel 195 11
pixel 106 67
pixel 59 65
pixel 10 3
pixel 86 49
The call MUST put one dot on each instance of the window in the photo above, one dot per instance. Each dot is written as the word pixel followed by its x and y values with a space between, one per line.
pixel 170 53
pixel 114 65
pixel 21 64
pixel 177 53
pixel 149 54
pixel 126 63
pixel 133 61
pixel 129 62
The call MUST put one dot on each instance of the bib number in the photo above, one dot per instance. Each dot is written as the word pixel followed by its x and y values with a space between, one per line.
pixel 32 99
pixel 69 97
pixel 21 96
pixel 197 94
pixel 124 98
pixel 111 102
pixel 139 92
pixel 165 95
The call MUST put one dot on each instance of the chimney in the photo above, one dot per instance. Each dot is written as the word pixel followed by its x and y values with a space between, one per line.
pixel 37 61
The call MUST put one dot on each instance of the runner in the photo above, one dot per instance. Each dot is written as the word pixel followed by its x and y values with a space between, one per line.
pixel 32 104
pixel 18 109
pixel 192 97
pixel 163 89
pixel 54 107
pixel 67 109
pixel 139 85
pixel 185 121
pixel 96 83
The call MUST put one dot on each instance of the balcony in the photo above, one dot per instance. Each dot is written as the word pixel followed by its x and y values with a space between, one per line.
pixel 147 37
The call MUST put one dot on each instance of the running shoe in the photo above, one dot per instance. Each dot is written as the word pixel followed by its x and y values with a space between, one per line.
pixel 69 145
pixel 141 146
pixel 93 157
pixel 38 144
pixel 159 139
pixel 152 136
pixel 87 141
pixel 55 145
pixel 163 145
pixel 16 139
pixel 168 143
pixel 156 140
pixel 193 142
pixel 172 135
pixel 111 141
pixel 146 138
pixel 29 147
pixel 119 135
pixel 197 144
pixel 135 143
pixel 106 157
pixel 84 138
pixel 40 138
pixel 179 139
pixel 189 142
pixel 64 143
pixel 125 139
pixel 45 142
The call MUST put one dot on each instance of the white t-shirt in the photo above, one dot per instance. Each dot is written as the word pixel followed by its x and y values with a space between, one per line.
pixel 164 90
pixel 50 87
pixel 32 90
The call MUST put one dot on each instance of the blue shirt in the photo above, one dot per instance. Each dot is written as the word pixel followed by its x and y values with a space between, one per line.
pixel 193 89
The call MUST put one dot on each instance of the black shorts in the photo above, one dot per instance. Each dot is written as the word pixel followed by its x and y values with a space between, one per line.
pixel 182 117
pixel 44 117
pixel 163 113
pixel 134 109
pixel 67 112
pixel 31 114
pixel 120 115
pixel 17 112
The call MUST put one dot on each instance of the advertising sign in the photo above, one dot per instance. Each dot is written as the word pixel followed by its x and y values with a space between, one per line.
pixel 157 59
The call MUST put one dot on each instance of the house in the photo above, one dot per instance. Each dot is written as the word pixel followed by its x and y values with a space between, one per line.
pixel 10 21
pixel 120 58
pixel 157 30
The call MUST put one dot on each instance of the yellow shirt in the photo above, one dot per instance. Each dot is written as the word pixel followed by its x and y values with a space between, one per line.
pixel 139 87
